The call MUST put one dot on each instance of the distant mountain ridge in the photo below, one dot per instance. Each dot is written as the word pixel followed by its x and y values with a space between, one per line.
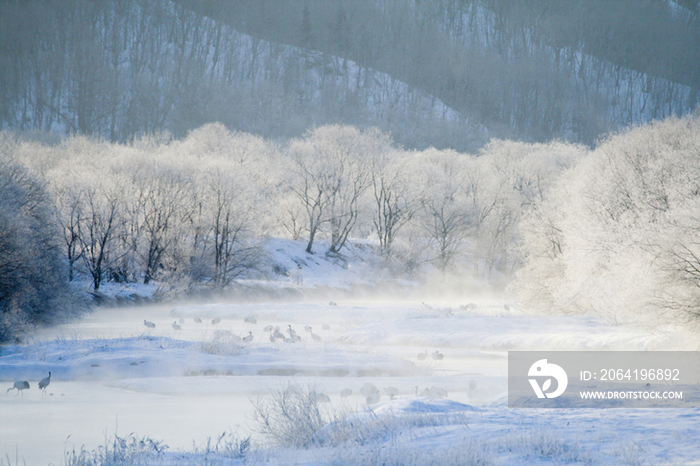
pixel 448 73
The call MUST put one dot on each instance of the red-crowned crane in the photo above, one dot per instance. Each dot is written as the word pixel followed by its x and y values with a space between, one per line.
pixel 19 386
pixel 45 383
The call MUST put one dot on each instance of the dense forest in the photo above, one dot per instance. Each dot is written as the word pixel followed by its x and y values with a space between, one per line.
pixel 447 74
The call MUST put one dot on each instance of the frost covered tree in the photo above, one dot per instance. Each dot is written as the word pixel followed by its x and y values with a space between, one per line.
pixel 395 193
pixel 231 213
pixel 332 168
pixel 445 216
pixel 235 178
pixel 618 234
pixel 33 285
pixel 164 197
pixel 102 214
pixel 511 179
pixel 69 212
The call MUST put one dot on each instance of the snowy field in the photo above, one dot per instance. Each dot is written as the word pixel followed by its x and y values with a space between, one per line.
pixel 110 375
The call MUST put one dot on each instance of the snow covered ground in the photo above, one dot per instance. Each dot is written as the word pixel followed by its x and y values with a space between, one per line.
pixel 110 374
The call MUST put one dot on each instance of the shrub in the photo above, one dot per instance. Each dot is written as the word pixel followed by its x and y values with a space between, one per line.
pixel 291 417
pixel 128 450
pixel 223 343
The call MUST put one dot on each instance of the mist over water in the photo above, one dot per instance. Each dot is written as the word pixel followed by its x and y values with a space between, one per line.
pixel 112 375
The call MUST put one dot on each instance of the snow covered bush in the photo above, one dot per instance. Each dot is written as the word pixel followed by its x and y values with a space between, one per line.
pixel 223 343
pixel 292 416
pixel 129 450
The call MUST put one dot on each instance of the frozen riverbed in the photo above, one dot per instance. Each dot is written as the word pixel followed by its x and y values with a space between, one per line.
pixel 111 374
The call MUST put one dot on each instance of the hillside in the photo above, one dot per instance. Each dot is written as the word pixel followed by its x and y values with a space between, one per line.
pixel 448 74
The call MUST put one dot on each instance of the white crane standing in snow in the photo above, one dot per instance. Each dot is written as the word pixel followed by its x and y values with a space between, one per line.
pixel 292 334
pixel 269 329
pixel 176 326
pixel 315 337
pixel 149 324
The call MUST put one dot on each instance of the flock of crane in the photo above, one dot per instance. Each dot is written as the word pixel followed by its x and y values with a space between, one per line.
pixel 373 395
pixel 22 385
pixel 369 391
pixel 275 333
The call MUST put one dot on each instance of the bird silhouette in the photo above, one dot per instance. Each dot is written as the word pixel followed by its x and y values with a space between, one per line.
pixel 313 335
pixel 250 320
pixel 391 392
pixel 425 392
pixel 277 334
pixel 373 398
pixel 422 356
pixel 293 335
pixel 438 392
pixel 19 386
pixel 45 383
pixel 248 338
pixel 369 389
pixel 149 324
pixel 216 320
pixel 198 320
pixel 176 326
pixel 437 355
pixel 269 329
